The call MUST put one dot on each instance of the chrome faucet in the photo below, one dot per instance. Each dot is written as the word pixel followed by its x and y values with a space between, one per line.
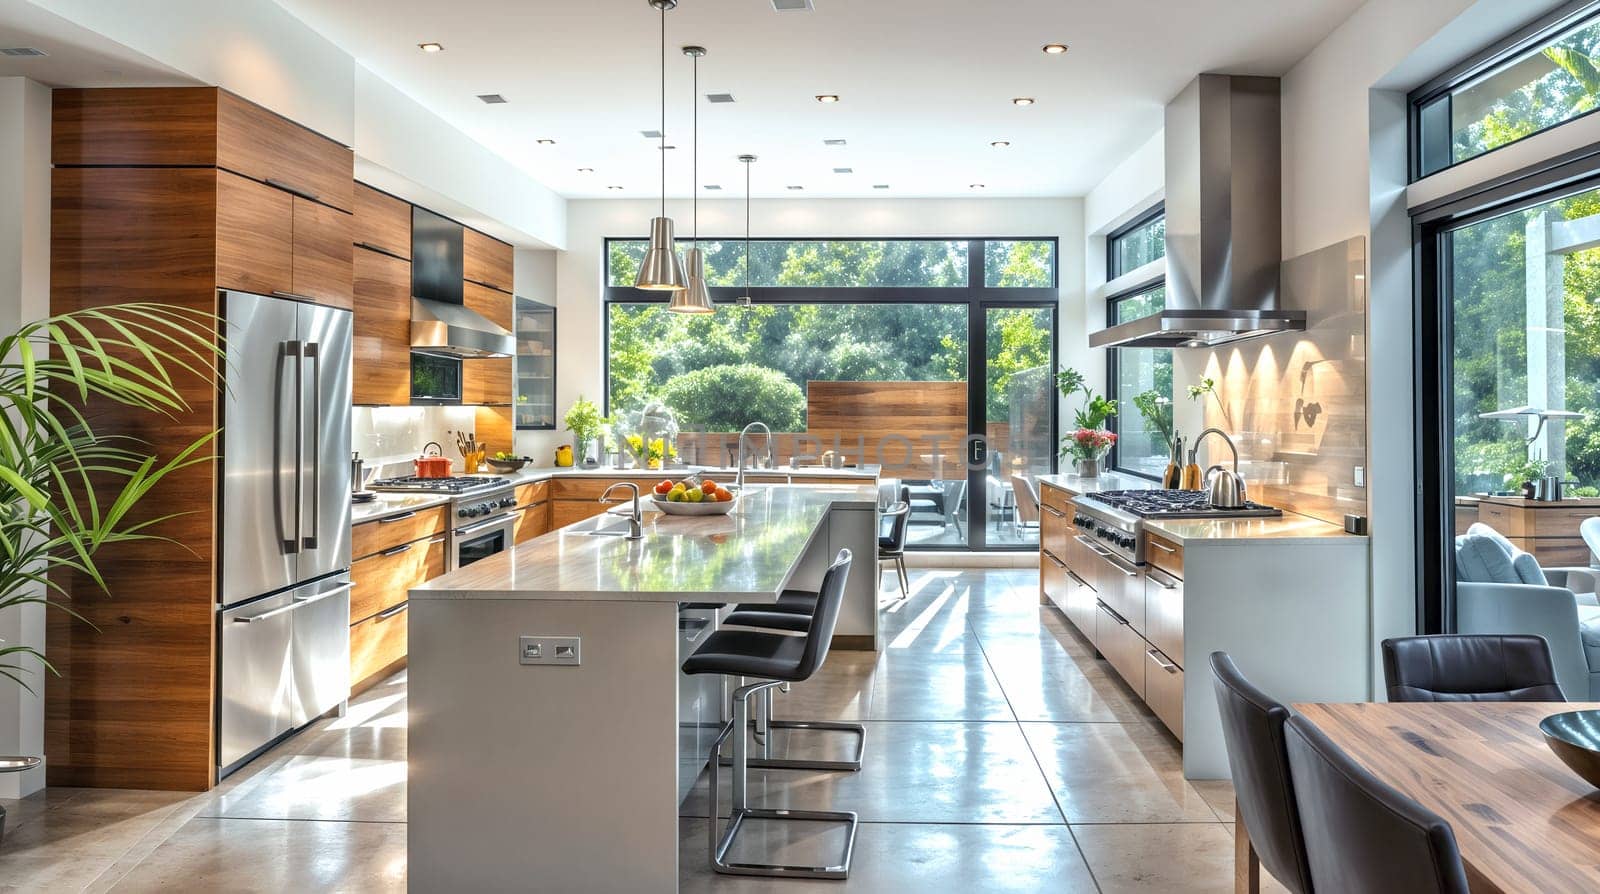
pixel 739 480
pixel 636 520
pixel 1223 488
pixel 1195 447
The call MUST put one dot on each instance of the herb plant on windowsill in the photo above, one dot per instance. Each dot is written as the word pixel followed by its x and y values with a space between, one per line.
pixel 66 489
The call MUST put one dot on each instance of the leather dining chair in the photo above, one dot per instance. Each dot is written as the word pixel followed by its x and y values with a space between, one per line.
pixel 1267 826
pixel 1470 668
pixel 1361 834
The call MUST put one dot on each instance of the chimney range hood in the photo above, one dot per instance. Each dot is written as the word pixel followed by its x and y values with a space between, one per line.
pixel 454 330
pixel 1223 211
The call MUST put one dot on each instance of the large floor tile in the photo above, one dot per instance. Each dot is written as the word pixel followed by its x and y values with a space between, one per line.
pixel 68 847
pixel 211 854
pixel 315 787
pixel 1040 685
pixel 1116 773
pixel 915 687
pixel 842 689
pixel 1191 857
pixel 914 773
pixel 902 857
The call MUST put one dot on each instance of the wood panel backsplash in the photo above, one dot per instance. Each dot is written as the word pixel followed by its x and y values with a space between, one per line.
pixel 1296 403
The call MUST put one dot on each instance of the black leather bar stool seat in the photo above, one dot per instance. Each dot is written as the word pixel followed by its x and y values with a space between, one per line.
pixel 774 659
pixel 769 619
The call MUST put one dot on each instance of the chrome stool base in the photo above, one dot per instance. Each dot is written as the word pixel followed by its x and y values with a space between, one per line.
pixel 765 762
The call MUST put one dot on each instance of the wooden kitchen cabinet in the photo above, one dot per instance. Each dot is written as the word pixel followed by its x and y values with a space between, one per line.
pixel 487 261
pixel 373 537
pixel 1122 646
pixel 1163 689
pixel 1163 600
pixel 565 512
pixel 377 647
pixel 1164 553
pixel 1052 581
pixel 382 329
pixel 1081 604
pixel 255 236
pixel 383 580
pixel 493 304
pixel 322 254
pixel 533 522
pixel 486 382
pixel 382 222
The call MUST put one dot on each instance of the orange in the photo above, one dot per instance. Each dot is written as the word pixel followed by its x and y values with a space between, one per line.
pixel 706 484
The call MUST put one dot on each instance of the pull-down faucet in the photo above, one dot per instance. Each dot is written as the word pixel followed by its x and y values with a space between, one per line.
pixel 636 520
pixel 739 480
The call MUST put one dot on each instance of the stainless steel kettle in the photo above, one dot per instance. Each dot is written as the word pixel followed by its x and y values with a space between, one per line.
pixel 1225 489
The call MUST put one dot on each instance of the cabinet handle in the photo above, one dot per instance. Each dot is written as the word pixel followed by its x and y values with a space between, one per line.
pixel 1171 583
pixel 295 296
pixel 1112 612
pixel 297 190
pixel 388 613
pixel 1056 562
pixel 394 518
pixel 1081 582
pixel 1161 546
pixel 1055 512
pixel 396 550
pixel 1161 660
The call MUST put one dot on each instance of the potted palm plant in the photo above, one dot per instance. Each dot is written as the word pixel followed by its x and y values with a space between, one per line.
pixel 66 489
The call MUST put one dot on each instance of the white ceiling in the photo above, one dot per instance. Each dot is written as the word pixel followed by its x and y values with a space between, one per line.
pixel 925 84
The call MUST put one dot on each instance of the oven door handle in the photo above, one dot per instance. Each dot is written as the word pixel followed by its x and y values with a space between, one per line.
pixel 498 521
pixel 1093 547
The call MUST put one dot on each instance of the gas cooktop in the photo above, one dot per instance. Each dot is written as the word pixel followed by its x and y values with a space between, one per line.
pixel 455 484
pixel 1177 504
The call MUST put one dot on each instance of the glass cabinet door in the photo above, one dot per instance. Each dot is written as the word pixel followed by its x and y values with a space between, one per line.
pixel 536 365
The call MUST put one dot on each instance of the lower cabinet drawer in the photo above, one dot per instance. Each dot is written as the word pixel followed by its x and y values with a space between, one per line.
pixel 382 581
pixel 1081 606
pixel 1163 689
pixel 377 642
pixel 565 512
pixel 534 521
pixel 1121 646
pixel 1052 581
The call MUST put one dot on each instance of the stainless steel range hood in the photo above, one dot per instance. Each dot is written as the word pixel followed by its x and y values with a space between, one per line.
pixel 1223 210
pixel 453 330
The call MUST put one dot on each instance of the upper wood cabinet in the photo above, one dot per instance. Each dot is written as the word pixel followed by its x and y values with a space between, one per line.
pixel 382 341
pixel 382 222
pixel 487 261
pixel 322 254
pixel 255 236
pixel 202 127
pixel 486 382
pixel 496 306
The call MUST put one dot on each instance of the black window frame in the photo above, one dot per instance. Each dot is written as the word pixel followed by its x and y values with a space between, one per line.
pixel 1159 209
pixel 1483 63
pixel 1113 358
pixel 976 297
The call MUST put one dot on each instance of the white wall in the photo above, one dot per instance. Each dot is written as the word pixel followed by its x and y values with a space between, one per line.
pixel 580 273
pixel 24 295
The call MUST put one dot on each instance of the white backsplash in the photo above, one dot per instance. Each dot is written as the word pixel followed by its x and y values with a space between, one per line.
pixel 394 436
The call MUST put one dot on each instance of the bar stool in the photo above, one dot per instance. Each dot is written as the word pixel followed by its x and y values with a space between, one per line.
pixel 892 546
pixel 773 659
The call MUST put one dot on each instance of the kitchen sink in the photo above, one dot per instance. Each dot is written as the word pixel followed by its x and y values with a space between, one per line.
pixel 603 525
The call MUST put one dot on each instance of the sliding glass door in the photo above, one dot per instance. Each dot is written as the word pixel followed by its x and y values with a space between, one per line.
pixel 1014 408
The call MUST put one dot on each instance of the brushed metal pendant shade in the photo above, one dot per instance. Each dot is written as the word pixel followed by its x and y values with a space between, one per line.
pixel 696 298
pixel 661 269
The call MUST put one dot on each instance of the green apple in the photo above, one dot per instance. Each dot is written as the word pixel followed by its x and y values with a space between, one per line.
pixel 694 494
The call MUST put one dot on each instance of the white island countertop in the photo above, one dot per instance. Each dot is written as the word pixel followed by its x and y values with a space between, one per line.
pixel 748 555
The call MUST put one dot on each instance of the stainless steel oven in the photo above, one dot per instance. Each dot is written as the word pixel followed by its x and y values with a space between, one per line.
pixel 480 540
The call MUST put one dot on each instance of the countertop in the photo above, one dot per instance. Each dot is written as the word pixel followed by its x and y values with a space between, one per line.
pixel 1291 527
pixel 745 556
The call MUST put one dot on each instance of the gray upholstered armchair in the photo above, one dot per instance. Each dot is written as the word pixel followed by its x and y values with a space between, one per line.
pixel 1501 589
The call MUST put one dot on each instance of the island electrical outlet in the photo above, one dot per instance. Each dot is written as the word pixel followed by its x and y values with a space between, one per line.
pixel 558 650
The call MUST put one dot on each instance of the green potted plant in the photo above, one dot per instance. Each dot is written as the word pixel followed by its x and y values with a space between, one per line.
pixel 1157 412
pixel 1090 442
pixel 66 489
pixel 583 419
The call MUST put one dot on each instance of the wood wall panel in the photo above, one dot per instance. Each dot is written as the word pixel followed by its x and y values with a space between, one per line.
pixel 135 126
pixel 322 254
pixel 382 326
pixel 133 706
pixel 255 235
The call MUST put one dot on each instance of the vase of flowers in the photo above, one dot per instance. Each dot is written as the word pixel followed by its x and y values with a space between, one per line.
pixel 1090 442
pixel 1087 446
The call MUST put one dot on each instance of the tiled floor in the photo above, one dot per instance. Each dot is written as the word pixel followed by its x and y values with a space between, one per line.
pixel 1001 756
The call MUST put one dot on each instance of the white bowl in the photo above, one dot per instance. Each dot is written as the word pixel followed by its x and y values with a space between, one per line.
pixel 701 508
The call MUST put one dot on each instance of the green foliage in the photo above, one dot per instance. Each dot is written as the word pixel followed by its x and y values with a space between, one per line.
pixel 583 419
pixel 67 491
pixel 725 398
pixel 1096 408
pixel 1156 409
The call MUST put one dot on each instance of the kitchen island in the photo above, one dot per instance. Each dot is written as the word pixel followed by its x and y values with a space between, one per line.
pixel 560 771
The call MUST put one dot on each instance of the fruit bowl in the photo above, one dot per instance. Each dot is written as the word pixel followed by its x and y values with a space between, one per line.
pixel 507 465
pixel 701 508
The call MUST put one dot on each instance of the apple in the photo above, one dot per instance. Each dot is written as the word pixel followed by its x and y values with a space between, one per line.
pixel 694 495
pixel 663 488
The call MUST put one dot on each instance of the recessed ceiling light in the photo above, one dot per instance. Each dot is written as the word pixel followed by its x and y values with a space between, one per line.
pixel 586 170
pixel 833 142
pixel 1054 49
pixel 719 97
pixel 826 98
pixel 545 142
pixel 22 51
pixel 975 186
pixel 844 170
pixel 880 186
pixel 1022 101
pixel 492 99
pixel 614 187
pixel 1000 144
pixel 713 186
pixel 797 187
pixel 431 47
pixel 791 5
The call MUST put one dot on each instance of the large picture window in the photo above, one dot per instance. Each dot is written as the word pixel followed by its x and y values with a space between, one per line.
pixel 1134 372
pixel 1137 244
pixel 849 341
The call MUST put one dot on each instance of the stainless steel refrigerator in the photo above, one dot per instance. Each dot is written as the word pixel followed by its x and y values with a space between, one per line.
pixel 284 606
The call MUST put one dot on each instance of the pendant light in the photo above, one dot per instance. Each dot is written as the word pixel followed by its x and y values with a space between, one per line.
pixel 661 270
pixel 696 298
pixel 748 161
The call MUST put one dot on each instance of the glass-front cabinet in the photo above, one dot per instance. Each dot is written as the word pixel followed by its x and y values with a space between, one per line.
pixel 536 365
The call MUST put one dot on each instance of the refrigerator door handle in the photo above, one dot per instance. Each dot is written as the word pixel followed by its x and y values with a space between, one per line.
pixel 291 544
pixel 314 354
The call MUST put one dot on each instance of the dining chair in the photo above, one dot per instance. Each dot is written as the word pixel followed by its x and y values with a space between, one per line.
pixel 1027 500
pixel 1267 826
pixel 1482 667
pixel 892 546
pixel 1361 834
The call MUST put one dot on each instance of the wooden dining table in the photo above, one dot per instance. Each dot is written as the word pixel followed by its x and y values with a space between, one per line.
pixel 1522 819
